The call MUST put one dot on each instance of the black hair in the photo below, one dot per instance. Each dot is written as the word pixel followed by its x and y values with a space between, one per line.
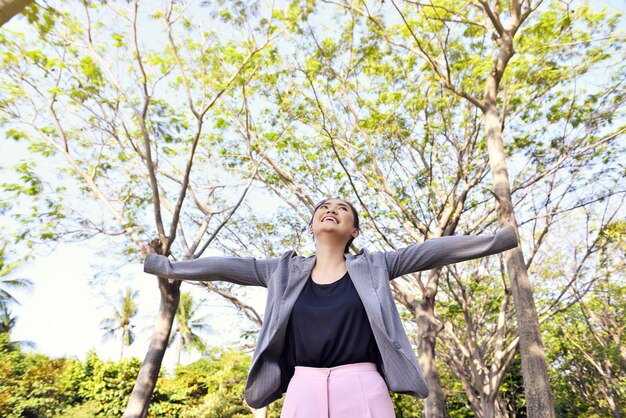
pixel 354 213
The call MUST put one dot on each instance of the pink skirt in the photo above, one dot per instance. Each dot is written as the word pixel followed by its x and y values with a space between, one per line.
pixel 351 390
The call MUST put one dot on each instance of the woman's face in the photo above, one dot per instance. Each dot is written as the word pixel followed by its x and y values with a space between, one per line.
pixel 334 216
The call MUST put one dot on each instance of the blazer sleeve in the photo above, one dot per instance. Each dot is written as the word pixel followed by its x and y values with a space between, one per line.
pixel 438 252
pixel 241 270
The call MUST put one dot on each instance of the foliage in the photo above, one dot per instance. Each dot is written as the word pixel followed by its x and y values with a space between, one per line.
pixel 28 382
pixel 212 386
pixel 104 387
pixel 215 384
pixel 36 386
pixel 85 66
pixel 512 390
pixel 406 406
pixel 109 384
pixel 588 354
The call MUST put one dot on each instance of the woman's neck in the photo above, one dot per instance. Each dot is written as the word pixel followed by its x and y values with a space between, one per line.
pixel 330 263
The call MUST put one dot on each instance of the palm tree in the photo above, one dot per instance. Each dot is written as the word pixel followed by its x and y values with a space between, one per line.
pixel 121 320
pixel 188 325
pixel 7 323
pixel 7 284
pixel 7 320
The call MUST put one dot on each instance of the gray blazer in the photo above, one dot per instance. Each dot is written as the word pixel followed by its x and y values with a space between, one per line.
pixel 285 277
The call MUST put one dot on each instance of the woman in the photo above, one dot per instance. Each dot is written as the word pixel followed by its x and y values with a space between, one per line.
pixel 332 337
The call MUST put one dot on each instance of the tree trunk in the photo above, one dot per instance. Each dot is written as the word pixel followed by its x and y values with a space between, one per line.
pixel 534 367
pixel 489 407
pixel 122 348
pixel 9 8
pixel 427 330
pixel 139 400
pixel 614 405
pixel 179 348
pixel 609 392
pixel 502 410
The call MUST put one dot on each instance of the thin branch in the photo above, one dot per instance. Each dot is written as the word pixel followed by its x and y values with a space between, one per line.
pixel 248 310
pixel 494 18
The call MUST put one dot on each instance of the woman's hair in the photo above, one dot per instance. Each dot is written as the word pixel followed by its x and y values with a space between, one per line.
pixel 354 213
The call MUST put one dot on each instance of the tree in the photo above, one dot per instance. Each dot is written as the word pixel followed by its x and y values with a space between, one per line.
pixel 362 111
pixel 589 369
pixel 8 283
pixel 121 321
pixel 587 348
pixel 188 325
pixel 95 99
pixel 439 56
pixel 480 342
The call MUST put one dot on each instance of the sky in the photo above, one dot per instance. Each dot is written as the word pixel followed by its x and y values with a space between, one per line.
pixel 62 313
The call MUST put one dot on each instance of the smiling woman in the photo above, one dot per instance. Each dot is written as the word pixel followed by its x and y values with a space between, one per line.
pixel 325 208
pixel 332 338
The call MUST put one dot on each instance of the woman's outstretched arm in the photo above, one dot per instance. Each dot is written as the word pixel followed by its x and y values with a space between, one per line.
pixel 438 252
pixel 240 270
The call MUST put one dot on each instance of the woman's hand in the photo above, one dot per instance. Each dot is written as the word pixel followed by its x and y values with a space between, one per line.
pixel 146 250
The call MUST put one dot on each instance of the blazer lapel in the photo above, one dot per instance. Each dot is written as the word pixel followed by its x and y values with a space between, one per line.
pixel 361 277
pixel 299 272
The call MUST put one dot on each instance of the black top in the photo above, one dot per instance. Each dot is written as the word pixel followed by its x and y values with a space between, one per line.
pixel 329 327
